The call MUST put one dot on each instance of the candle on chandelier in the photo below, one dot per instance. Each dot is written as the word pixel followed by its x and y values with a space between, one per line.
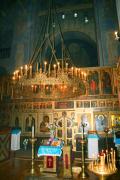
pixel 30 70
pixel 26 68
pixel 76 71
pixel 17 74
pixel 66 67
pixel 14 76
pixel 49 70
pixel 82 75
pixel 85 76
pixel 45 64
pixel 54 68
pixel 37 67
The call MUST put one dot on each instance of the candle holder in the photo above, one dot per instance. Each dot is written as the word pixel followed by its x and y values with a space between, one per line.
pixel 83 174
pixel 33 155
pixel 104 165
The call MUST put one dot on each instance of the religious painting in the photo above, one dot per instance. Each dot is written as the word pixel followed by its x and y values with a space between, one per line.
pixel 93 104
pixel 44 125
pixel 64 105
pixel 82 88
pixel 36 106
pixel 106 82
pixel 29 106
pixel 93 83
pixel 49 105
pixel 84 119
pixel 79 104
pixel 115 120
pixel 116 103
pixel 109 104
pixel 48 89
pixel 86 104
pixel 29 121
pixel 102 103
pixel 101 122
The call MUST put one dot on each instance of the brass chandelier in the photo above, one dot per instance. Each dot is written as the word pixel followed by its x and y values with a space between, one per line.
pixel 50 77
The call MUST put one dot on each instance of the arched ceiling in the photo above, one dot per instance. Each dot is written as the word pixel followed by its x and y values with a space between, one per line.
pixel 82 49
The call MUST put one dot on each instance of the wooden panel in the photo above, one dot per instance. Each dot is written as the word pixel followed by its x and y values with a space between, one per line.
pixel 4 145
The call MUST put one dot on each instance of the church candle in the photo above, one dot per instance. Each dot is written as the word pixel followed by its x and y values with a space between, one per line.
pixel 37 67
pixel 66 67
pixel 26 68
pixel 33 130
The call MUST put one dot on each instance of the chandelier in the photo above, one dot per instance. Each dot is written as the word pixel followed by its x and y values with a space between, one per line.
pixel 46 75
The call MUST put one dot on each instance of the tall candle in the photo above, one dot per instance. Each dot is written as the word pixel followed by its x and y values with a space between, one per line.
pixel 37 67
pixel 66 67
pixel 30 70
pixel 45 64
pixel 58 66
pixel 49 70
pixel 54 68
pixel 26 70
pixel 33 131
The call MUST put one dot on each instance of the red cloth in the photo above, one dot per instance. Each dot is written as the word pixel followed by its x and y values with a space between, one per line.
pixel 49 162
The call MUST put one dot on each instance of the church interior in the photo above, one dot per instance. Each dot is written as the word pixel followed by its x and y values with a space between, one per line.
pixel 59 89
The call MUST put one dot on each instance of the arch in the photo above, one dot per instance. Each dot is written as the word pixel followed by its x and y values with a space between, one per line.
pixel 81 48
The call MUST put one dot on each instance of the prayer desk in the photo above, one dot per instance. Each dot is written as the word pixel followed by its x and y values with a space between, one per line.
pixel 50 154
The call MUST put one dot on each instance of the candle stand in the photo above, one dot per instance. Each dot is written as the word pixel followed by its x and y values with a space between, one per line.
pixel 104 165
pixel 83 174
pixel 33 155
